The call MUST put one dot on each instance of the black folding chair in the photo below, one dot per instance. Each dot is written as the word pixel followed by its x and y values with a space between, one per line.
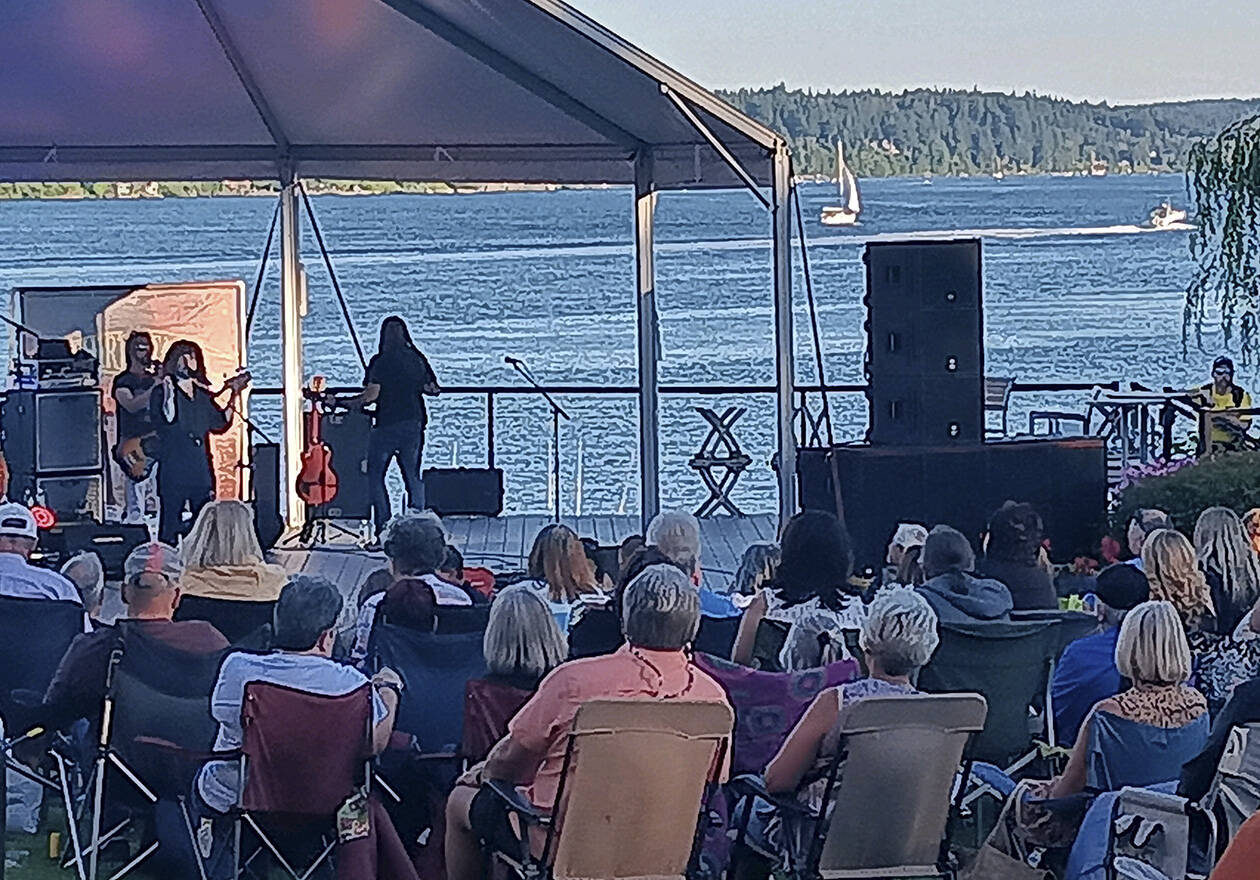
pixel 717 635
pixel 156 722
pixel 245 624
pixel 595 633
pixel 453 619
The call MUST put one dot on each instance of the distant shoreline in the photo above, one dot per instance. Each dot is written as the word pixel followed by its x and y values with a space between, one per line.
pixel 156 190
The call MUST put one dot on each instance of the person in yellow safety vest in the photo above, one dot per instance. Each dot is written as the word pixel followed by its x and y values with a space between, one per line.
pixel 1221 393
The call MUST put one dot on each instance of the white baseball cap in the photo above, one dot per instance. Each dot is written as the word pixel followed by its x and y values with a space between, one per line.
pixel 16 521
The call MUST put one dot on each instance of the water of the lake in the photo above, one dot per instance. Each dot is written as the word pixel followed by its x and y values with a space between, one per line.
pixel 1073 292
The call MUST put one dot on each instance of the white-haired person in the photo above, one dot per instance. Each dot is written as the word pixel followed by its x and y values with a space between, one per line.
pixel 907 536
pixel 84 570
pixel 897 637
pixel 676 534
pixel 660 615
pixel 523 642
pixel 223 559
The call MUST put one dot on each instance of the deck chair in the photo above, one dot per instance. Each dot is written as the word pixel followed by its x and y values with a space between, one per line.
pixel 435 668
pixel 768 704
pixel 901 756
pixel 157 704
pixel 1010 665
pixel 244 624
pixel 768 643
pixel 34 636
pixel 634 771
pixel 462 618
pixel 302 756
pixel 716 635
pixel 488 707
pixel 596 633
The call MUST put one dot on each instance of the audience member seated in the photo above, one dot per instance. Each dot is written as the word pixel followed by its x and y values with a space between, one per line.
pixel 85 572
pixel 223 559
pixel 1141 524
pixel 1172 569
pixel 560 571
pixel 756 570
pixel 908 536
pixel 452 571
pixel 811 582
pixel 305 628
pixel 1086 672
pixel 18 578
pixel 409 602
pixel 897 637
pixel 661 615
pixel 1152 654
pixel 627 549
pixel 150 590
pixel 1230 565
pixel 953 592
pixel 677 534
pixel 377 581
pixel 1011 555
pixel 1251 522
pixel 1242 708
pixel 1242 855
pixel 522 642
pixel 910 569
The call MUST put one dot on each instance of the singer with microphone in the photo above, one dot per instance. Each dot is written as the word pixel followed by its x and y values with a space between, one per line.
pixel 131 390
pixel 397 379
pixel 185 412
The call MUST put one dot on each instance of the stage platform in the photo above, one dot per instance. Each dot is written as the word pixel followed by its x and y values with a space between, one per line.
pixel 502 543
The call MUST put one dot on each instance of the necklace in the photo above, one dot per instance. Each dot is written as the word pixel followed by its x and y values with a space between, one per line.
pixel 657 690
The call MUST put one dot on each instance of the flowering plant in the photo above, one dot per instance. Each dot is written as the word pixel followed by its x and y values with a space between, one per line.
pixel 1160 467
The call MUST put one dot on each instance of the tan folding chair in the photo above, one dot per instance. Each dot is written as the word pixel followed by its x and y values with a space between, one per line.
pixel 889 788
pixel 635 777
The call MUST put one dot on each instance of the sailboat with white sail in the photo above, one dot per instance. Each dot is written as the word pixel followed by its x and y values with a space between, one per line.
pixel 850 203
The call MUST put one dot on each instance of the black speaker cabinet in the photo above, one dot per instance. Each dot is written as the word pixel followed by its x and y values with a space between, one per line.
pixel 464 491
pixel 72 497
pixel 925 349
pixel 268 523
pixel 346 433
pixel 961 486
pixel 53 430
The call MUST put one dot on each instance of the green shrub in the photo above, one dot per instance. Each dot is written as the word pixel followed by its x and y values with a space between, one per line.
pixel 1231 480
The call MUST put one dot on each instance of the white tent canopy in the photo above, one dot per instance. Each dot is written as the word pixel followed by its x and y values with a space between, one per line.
pixel 444 90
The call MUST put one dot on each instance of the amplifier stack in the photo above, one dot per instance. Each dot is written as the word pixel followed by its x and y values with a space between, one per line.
pixel 54 449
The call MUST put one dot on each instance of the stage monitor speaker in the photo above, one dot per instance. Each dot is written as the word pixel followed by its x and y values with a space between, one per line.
pixel 925 350
pixel 268 523
pixel 464 491
pixel 72 497
pixel 961 486
pixel 52 430
pixel 346 433
pixel 111 542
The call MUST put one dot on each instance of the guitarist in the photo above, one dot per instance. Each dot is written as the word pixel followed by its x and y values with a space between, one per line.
pixel 185 413
pixel 132 390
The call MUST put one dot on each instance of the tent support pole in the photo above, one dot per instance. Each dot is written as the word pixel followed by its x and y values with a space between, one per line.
pixel 291 347
pixel 648 336
pixel 785 367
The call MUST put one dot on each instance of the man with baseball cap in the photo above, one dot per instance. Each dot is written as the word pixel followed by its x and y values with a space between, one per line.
pixel 150 591
pixel 18 578
pixel 1087 673
pixel 1221 393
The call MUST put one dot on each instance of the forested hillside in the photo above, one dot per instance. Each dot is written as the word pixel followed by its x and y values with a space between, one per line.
pixel 955 132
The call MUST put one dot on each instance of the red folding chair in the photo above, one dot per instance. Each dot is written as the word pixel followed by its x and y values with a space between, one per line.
pixel 302 757
pixel 488 707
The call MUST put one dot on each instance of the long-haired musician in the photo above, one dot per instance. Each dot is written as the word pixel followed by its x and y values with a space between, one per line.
pixel 185 413
pixel 131 390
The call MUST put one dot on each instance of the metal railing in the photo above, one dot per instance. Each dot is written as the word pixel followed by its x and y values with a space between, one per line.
pixel 808 424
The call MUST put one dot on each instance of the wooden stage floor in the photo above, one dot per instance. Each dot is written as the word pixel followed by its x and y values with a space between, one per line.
pixel 502 544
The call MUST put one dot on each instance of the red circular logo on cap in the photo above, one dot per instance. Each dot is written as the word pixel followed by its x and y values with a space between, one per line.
pixel 44 518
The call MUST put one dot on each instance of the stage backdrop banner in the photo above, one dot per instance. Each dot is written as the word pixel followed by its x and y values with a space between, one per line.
pixel 209 313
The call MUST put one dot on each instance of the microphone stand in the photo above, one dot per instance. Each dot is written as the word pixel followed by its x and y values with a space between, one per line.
pixel 557 413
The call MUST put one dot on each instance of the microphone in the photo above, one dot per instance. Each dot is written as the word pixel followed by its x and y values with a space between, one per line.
pixel 513 361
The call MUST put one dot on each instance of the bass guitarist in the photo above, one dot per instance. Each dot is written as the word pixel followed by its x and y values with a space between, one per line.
pixel 132 390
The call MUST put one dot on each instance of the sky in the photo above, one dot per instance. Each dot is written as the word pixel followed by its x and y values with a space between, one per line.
pixel 1131 52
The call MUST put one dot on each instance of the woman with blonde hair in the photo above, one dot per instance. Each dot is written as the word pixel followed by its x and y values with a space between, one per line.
pixel 560 571
pixel 223 559
pixel 1229 563
pixel 522 641
pixel 1172 569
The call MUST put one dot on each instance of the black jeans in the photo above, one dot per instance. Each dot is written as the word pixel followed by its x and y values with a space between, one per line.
pixel 172 497
pixel 405 441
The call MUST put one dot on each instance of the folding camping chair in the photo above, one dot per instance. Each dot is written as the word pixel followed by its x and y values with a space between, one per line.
pixel 155 723
pixel 488 707
pixel 1010 665
pixel 596 633
pixel 462 618
pixel 302 757
pixel 899 760
pixel 716 635
pixel 245 624
pixel 634 771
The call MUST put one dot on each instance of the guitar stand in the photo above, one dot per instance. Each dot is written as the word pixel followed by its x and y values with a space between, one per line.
pixel 315 530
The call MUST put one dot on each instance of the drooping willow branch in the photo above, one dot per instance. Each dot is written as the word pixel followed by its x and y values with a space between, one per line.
pixel 1223 181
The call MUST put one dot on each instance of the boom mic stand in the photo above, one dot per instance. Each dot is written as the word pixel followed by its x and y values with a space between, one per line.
pixel 557 413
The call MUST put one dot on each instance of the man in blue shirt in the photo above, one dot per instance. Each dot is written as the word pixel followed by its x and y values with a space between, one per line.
pixel 676 534
pixel 1087 673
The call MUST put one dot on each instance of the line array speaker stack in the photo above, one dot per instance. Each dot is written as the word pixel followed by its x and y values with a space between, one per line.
pixel 925 343
pixel 53 446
